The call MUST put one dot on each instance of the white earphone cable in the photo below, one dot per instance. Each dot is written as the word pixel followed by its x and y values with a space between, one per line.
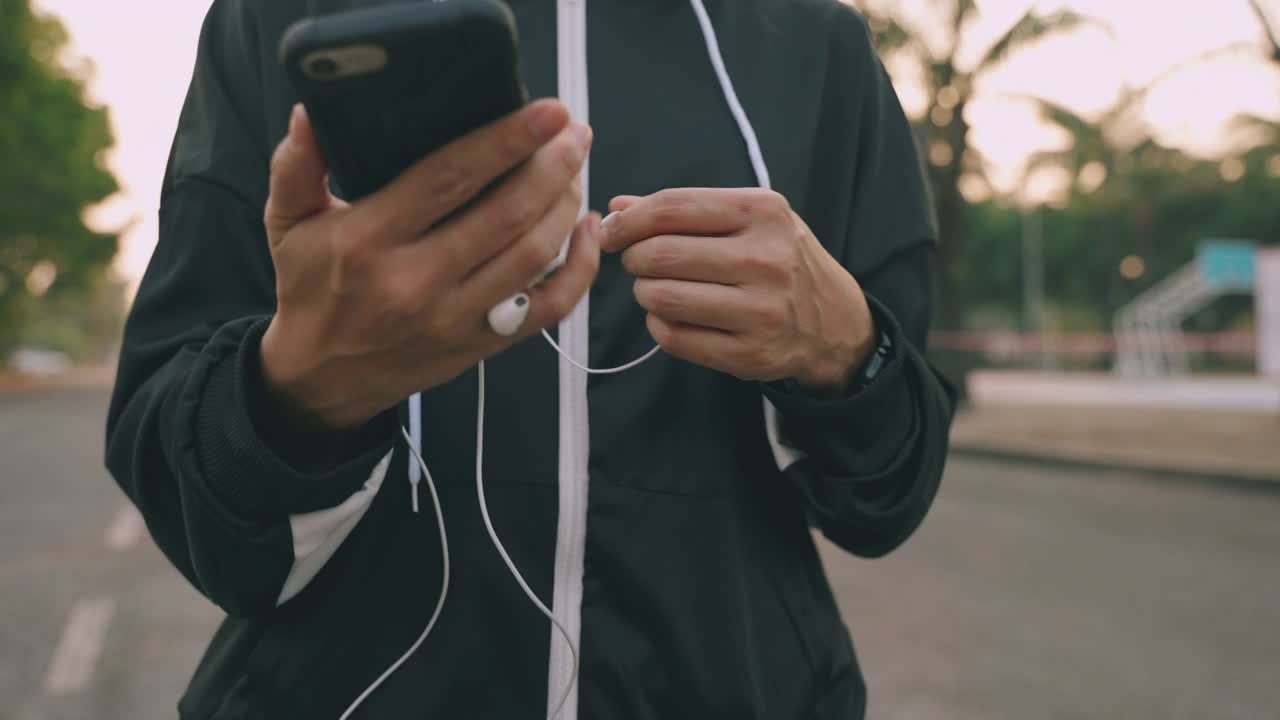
pixel 502 551
pixel 444 583
pixel 600 371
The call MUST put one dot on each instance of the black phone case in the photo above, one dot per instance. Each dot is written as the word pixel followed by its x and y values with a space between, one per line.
pixel 451 67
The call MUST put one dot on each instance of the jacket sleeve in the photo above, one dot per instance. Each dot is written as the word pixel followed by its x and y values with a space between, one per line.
pixel 869 464
pixel 182 428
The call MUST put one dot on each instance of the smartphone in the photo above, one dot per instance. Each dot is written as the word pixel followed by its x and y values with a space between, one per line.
pixel 387 86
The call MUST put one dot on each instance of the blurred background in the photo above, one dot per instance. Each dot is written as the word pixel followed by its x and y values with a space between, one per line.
pixel 1107 542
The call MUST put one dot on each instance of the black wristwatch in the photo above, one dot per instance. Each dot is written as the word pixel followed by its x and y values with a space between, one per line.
pixel 874 364
pixel 877 362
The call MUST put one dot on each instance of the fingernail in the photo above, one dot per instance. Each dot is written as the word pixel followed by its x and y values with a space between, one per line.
pixel 582 133
pixel 294 117
pixel 545 123
pixel 604 232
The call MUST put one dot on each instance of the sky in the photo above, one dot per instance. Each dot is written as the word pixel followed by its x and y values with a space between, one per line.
pixel 143 80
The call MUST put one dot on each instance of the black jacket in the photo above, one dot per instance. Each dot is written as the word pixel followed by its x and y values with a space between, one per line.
pixel 670 531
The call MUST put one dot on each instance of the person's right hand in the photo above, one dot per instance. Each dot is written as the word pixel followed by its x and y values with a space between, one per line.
pixel 389 295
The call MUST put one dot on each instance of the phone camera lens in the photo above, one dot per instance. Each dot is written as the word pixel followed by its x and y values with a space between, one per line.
pixel 323 68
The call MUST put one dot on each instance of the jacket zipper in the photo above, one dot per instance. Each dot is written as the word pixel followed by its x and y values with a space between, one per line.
pixel 571 530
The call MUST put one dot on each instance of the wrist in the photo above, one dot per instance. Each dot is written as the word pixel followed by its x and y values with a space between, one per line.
pixel 831 370
pixel 295 397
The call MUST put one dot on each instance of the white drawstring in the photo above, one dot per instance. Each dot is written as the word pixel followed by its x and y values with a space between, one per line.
pixel 414 436
pixel 731 96
pixel 415 442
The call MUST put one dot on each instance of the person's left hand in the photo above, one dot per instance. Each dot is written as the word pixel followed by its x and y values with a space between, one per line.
pixel 734 280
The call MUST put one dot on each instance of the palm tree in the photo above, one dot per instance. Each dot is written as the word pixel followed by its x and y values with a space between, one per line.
pixel 951 86
pixel 1273 35
pixel 1267 129
pixel 1103 142
pixel 1120 134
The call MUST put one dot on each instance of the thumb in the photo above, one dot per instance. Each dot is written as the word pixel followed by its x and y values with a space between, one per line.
pixel 298 176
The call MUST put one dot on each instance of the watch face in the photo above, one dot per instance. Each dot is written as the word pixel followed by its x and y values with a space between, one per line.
pixel 878 359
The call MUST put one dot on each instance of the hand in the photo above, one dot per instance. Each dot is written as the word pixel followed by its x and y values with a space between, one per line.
pixel 389 295
pixel 734 280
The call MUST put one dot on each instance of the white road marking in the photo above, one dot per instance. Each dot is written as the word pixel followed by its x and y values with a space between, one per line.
pixel 76 656
pixel 125 530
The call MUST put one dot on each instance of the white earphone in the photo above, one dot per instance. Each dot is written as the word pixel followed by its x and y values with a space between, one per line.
pixel 507 317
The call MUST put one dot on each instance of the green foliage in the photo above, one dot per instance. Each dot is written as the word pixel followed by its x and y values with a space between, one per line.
pixel 83 321
pixel 1158 208
pixel 52 144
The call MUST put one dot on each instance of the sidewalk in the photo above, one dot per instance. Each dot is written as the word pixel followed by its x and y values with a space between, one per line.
pixel 79 378
pixel 1234 446
pixel 1238 447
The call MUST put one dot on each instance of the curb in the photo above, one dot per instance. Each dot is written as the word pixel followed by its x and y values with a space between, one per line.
pixel 1219 479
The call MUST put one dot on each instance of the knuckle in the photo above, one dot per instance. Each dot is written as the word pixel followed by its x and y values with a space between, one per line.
pixel 653 296
pixel 761 260
pixel 768 205
pixel 771 315
pixel 661 332
pixel 442 322
pixel 511 147
pixel 441 176
pixel 517 215
pixel 743 206
pixel 402 297
pixel 350 260
pixel 634 261
pixel 659 258
pixel 559 305
pixel 449 184
pixel 569 157
pixel 754 359
pixel 533 255
pixel 640 291
pixel 668 206
pixel 663 298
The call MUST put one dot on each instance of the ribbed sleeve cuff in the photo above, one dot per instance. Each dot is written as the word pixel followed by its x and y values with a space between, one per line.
pixel 241 468
pixel 864 430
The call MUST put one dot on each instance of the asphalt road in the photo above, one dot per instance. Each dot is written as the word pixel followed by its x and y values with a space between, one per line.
pixel 1029 594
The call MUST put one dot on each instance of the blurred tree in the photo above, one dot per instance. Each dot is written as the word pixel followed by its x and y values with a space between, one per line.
pixel 1265 129
pixel 1156 212
pixel 1158 201
pixel 1099 147
pixel 53 145
pixel 951 84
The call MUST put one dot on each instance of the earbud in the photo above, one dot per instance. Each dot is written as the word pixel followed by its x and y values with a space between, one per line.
pixel 506 317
